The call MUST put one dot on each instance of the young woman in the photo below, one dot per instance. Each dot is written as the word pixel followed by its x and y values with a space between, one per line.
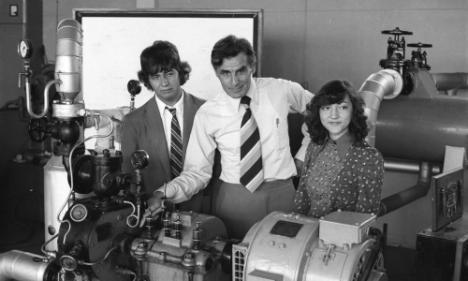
pixel 340 170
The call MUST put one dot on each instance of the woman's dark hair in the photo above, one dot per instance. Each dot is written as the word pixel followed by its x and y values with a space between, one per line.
pixel 162 56
pixel 230 46
pixel 335 92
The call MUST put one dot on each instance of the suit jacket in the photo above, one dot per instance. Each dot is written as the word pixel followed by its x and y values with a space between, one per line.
pixel 142 129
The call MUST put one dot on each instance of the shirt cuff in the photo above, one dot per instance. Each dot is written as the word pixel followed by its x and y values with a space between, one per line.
pixel 171 193
pixel 300 155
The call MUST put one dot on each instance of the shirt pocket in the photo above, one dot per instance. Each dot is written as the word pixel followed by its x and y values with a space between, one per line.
pixel 273 127
pixel 280 131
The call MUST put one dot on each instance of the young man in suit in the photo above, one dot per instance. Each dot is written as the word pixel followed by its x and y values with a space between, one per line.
pixel 162 125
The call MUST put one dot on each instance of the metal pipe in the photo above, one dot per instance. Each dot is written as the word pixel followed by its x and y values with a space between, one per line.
pixel 404 166
pixel 449 81
pixel 19 265
pixel 385 84
pixel 410 194
pixel 45 109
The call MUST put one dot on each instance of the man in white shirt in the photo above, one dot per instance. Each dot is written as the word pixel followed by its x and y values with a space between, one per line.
pixel 162 125
pixel 247 123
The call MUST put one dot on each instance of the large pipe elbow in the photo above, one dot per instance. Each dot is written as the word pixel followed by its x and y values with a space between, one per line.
pixel 19 265
pixel 69 59
pixel 384 84
pixel 449 81
pixel 403 198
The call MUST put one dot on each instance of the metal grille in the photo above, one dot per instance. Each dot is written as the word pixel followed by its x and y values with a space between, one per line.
pixel 238 264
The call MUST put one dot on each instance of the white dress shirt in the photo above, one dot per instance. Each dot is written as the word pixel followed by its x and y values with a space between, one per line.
pixel 166 117
pixel 217 125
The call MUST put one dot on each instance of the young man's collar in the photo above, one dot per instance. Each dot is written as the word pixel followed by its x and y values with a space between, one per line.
pixel 179 105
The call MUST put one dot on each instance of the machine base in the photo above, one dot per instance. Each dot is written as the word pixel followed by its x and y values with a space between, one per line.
pixel 443 255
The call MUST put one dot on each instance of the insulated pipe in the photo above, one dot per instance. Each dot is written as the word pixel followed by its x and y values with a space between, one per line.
pixel 449 81
pixel 408 195
pixel 19 265
pixel 385 84
pixel 410 167
pixel 69 59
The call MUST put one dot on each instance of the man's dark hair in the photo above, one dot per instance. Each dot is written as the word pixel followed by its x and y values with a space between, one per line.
pixel 162 56
pixel 229 47
pixel 335 92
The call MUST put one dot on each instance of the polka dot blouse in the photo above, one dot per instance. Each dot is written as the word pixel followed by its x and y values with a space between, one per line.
pixel 340 175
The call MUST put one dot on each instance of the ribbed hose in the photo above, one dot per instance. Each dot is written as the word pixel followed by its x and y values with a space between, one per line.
pixel 385 84
pixel 19 265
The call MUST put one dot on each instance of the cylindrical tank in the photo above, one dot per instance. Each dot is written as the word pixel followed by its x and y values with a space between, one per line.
pixel 420 125
pixel 56 191
pixel 420 128
pixel 22 266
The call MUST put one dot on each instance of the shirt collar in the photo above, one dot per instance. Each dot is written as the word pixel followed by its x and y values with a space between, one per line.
pixel 179 105
pixel 251 93
pixel 342 144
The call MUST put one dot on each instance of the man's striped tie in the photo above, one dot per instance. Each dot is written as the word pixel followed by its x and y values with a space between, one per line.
pixel 250 151
pixel 176 145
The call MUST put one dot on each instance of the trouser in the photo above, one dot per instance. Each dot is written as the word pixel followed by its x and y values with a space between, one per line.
pixel 240 209
pixel 194 204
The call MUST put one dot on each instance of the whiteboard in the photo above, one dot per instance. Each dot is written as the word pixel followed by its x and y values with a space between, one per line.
pixel 113 41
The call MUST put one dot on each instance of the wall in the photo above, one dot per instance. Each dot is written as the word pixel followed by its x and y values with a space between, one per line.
pixel 313 41
pixel 26 24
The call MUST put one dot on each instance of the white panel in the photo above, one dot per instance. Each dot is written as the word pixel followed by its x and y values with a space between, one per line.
pixel 112 47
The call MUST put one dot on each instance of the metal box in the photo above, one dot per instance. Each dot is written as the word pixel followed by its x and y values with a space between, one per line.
pixel 342 227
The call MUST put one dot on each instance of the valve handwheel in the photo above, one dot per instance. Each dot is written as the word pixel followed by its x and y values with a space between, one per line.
pixel 419 45
pixel 397 31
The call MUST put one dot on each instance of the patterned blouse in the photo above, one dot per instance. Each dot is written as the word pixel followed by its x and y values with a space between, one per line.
pixel 340 175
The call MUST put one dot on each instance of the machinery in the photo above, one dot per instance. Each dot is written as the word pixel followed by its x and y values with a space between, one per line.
pixel 103 237
pixel 93 211
pixel 430 115
pixel 339 246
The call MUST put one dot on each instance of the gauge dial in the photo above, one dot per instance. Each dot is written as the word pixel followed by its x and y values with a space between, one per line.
pixel 25 49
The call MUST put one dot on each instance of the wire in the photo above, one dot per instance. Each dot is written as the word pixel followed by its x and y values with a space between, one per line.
pixel 47 252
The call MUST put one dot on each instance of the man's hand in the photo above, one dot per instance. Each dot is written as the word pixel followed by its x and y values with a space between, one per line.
pixel 155 204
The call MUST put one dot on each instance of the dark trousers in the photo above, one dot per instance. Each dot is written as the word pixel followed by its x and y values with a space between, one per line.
pixel 240 209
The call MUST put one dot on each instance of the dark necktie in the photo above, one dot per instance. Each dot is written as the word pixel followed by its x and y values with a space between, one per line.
pixel 251 175
pixel 176 145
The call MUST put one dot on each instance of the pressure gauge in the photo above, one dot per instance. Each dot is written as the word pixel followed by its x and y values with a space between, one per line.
pixel 78 212
pixel 25 49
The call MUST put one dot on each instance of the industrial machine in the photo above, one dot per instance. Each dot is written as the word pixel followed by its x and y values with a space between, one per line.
pixel 339 246
pixel 103 237
pixel 430 116
pixel 93 211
